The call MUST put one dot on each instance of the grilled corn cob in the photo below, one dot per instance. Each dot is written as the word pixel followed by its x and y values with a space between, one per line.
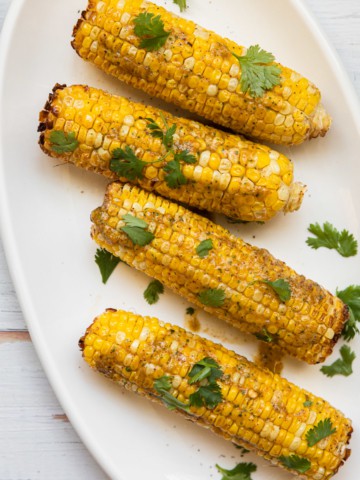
pixel 196 70
pixel 231 175
pixel 259 410
pixel 306 326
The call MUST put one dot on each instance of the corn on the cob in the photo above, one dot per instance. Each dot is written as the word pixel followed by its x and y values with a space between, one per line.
pixel 231 175
pixel 306 326
pixel 196 70
pixel 259 410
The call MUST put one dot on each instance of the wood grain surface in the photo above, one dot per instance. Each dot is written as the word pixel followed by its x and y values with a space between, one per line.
pixel 36 440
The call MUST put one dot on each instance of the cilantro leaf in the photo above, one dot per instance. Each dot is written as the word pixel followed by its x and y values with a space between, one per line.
pixel 182 4
pixel 206 368
pixel 136 230
pixel 150 29
pixel 153 291
pixel 185 156
pixel 106 262
pixel 329 237
pixel 126 164
pixel 213 297
pixel 204 248
pixel 62 142
pixel 350 328
pixel 257 72
pixel 162 386
pixel 351 297
pixel 190 311
pixel 281 287
pixel 174 178
pixel 322 430
pixel 168 139
pixel 206 396
pixel 266 336
pixel 242 471
pixel 155 129
pixel 308 403
pixel 341 366
pixel 294 462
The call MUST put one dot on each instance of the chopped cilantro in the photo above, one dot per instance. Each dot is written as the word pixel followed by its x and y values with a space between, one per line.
pixel 281 287
pixel 322 430
pixel 174 178
pixel 162 386
pixel 185 156
pixel 266 336
pixel 341 366
pixel 294 462
pixel 150 29
pixel 63 142
pixel 212 297
pixel 204 248
pixel 136 230
pixel 208 395
pixel 308 403
pixel 190 311
pixel 258 73
pixel 126 164
pixel 329 237
pixel 182 4
pixel 153 291
pixel 242 471
pixel 106 262
pixel 206 368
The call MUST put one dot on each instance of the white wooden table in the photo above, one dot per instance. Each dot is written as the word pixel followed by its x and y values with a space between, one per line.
pixel 36 440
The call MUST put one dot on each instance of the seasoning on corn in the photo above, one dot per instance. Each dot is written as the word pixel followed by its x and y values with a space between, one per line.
pixel 256 409
pixel 198 70
pixel 230 175
pixel 229 282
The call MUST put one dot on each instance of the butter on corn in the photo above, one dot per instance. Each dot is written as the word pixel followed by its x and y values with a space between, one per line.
pixel 260 411
pixel 232 176
pixel 196 70
pixel 306 326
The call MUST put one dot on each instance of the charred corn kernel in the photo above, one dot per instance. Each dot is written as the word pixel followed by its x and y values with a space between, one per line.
pixel 231 265
pixel 146 341
pixel 292 109
pixel 229 169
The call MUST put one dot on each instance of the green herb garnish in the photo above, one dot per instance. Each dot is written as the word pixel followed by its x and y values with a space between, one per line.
pixel 266 336
pixel 242 471
pixel 350 328
pixel 308 403
pixel 185 156
pixel 258 74
pixel 213 297
pixel 163 386
pixel 106 262
pixel 126 164
pixel 281 287
pixel 62 142
pixel 207 368
pixel 322 430
pixel 341 366
pixel 294 462
pixel 153 291
pixel 351 297
pixel 150 29
pixel 174 178
pixel 190 311
pixel 204 248
pixel 182 4
pixel 329 237
pixel 136 230
pixel 207 396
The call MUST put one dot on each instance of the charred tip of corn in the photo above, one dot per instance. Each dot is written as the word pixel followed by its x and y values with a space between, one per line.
pixel 320 122
pixel 296 195
pixel 82 343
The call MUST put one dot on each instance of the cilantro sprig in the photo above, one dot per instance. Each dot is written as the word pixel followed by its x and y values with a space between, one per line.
pixel 206 396
pixel 137 230
pixel 207 371
pixel 328 236
pixel 322 430
pixel 150 29
pixel 106 262
pixel 280 286
pixel 204 248
pixel 207 368
pixel 242 471
pixel 212 297
pixel 153 291
pixel 294 462
pixel 341 366
pixel 351 297
pixel 182 4
pixel 266 336
pixel 258 73
pixel 126 164
pixel 63 142
pixel 163 386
